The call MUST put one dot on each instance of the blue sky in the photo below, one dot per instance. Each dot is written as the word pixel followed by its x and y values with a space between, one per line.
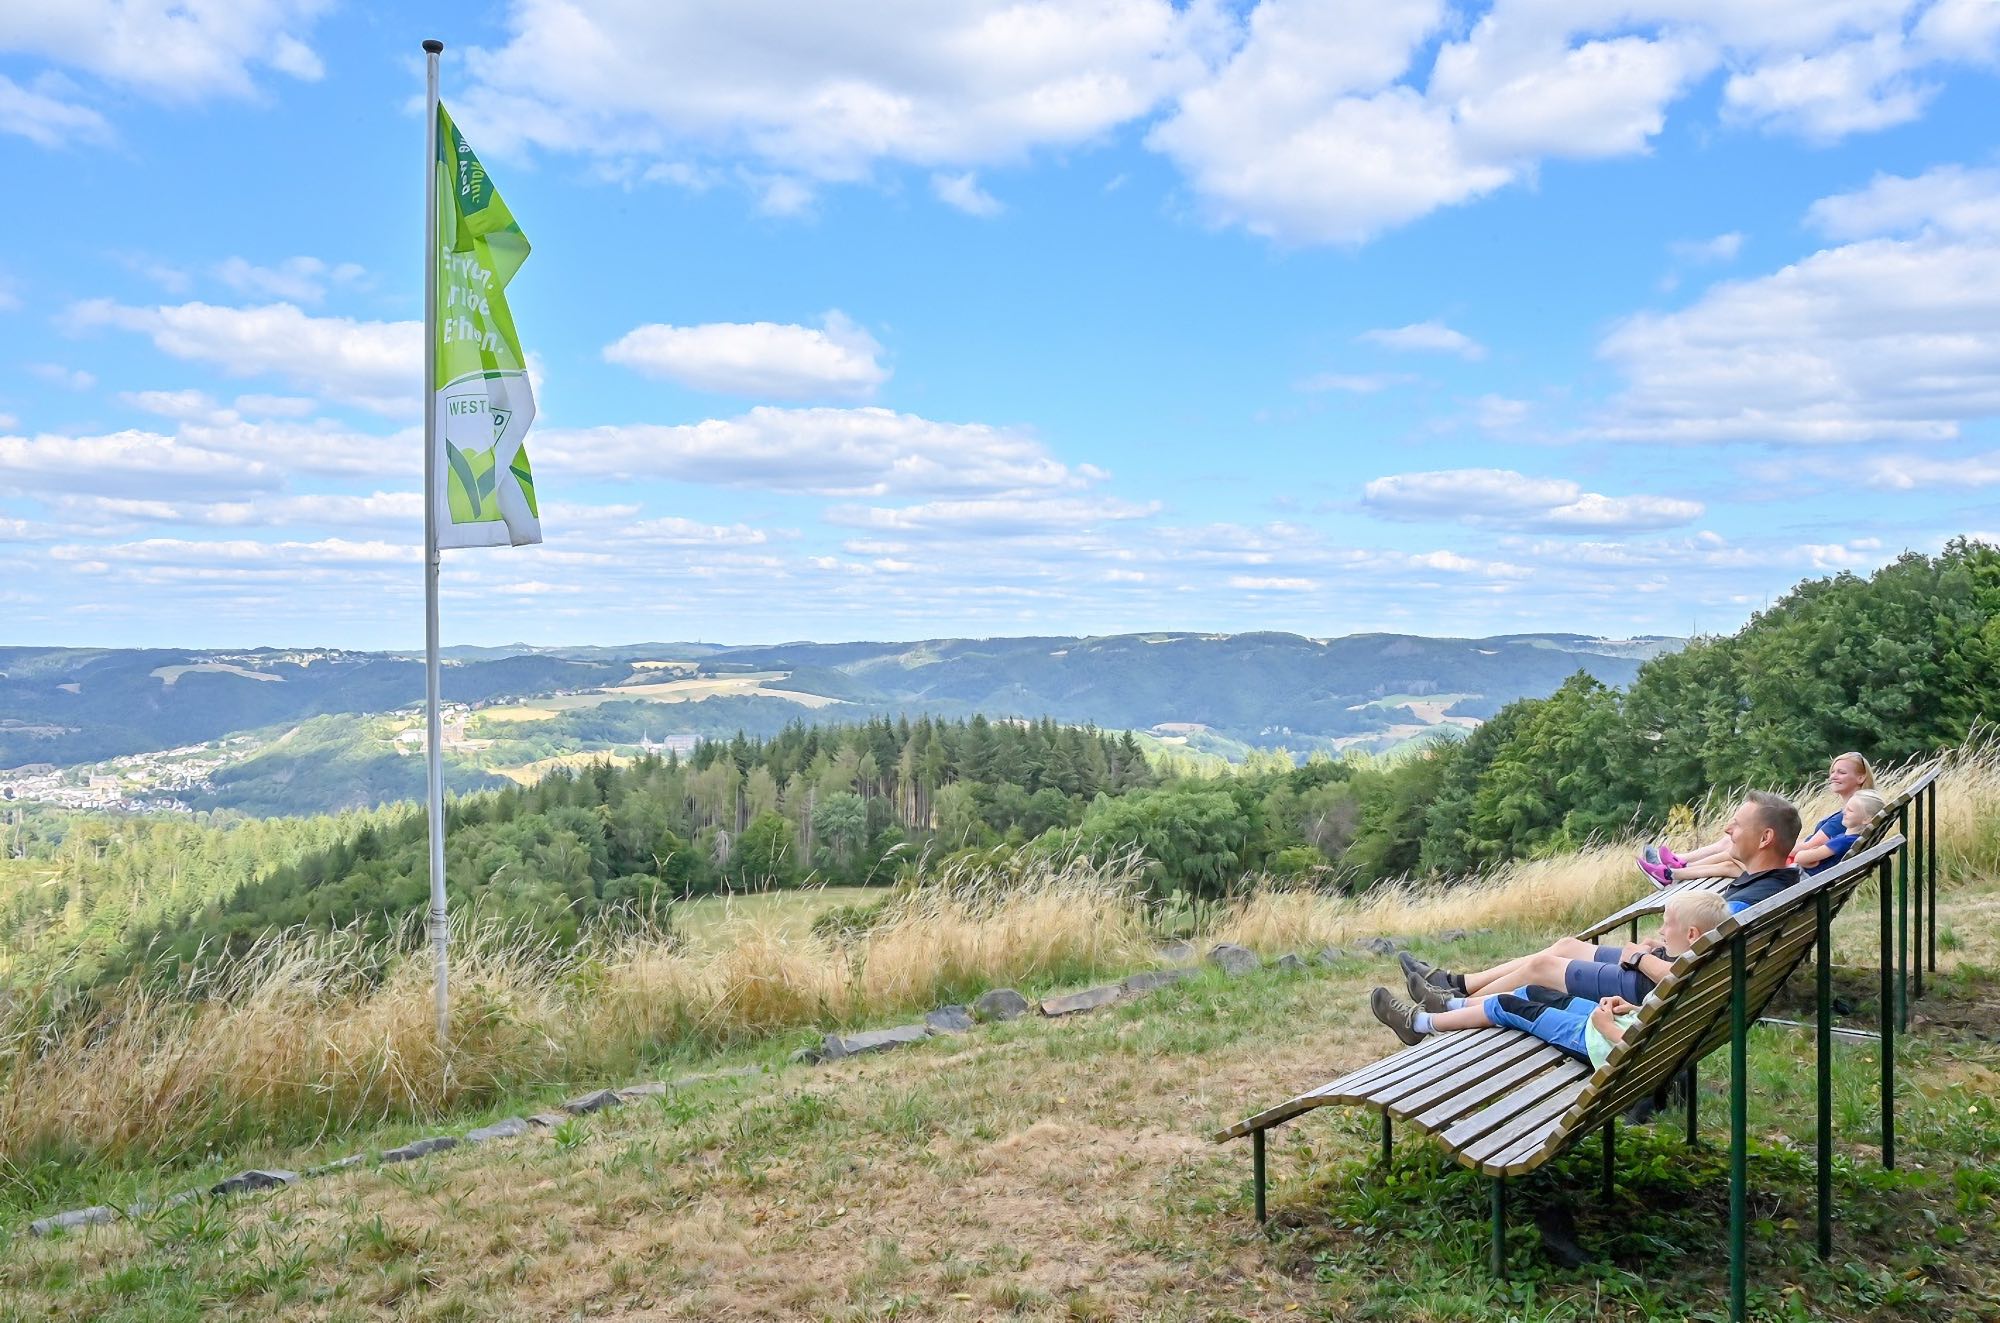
pixel 902 319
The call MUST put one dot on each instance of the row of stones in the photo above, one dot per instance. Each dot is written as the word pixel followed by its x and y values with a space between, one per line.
pixel 998 1004
pixel 1008 1004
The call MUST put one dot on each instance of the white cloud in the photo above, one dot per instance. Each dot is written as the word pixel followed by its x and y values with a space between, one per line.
pixel 1949 199
pixel 769 359
pixel 1426 337
pixel 1855 88
pixel 67 378
pixel 1721 248
pixel 402 510
pixel 827 451
pixel 1271 583
pixel 378 365
pixel 1496 413
pixel 171 52
pixel 295 279
pixel 1331 122
pixel 170 403
pixel 10 298
pixel 1909 472
pixel 963 192
pixel 1001 516
pixel 811 93
pixel 1881 339
pixel 131 462
pixel 45 119
pixel 1355 383
pixel 1507 499
pixel 274 406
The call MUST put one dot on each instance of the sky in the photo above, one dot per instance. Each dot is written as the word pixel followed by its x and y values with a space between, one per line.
pixel 900 320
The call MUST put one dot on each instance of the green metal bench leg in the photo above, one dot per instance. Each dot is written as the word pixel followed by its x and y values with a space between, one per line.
pixel 1499 1251
pixel 1693 1092
pixel 1388 1139
pixel 1823 942
pixel 1635 927
pixel 1930 867
pixel 1739 1106
pixel 1903 939
pixel 1888 1035
pixel 1610 1154
pixel 1257 1172
pixel 1916 965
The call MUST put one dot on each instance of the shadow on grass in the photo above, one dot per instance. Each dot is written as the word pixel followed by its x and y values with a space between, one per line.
pixel 1411 1242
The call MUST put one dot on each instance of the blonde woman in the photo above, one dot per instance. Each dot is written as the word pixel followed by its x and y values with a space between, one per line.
pixel 1847 774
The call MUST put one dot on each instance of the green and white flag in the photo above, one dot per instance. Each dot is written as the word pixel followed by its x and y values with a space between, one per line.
pixel 481 397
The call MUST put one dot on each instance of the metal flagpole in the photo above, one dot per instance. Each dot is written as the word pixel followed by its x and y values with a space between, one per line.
pixel 433 721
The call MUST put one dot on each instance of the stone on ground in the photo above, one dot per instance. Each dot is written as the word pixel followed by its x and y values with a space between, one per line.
pixel 421 1148
pixel 1233 959
pixel 875 1040
pixel 245 1181
pixel 75 1217
pixel 507 1129
pixel 1147 980
pixel 594 1101
pixel 948 1020
pixel 1290 964
pixel 1000 1004
pixel 1382 946
pixel 1087 1000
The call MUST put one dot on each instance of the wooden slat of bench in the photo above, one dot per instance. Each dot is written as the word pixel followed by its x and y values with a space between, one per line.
pixel 1415 1094
pixel 1537 1126
pixel 1423 1057
pixel 1376 1074
pixel 1448 1107
pixel 1467 1129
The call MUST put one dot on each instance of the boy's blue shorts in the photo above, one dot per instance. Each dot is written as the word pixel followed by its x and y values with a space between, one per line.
pixel 1599 978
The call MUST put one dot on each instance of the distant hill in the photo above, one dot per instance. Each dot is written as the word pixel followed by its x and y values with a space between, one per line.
pixel 72 707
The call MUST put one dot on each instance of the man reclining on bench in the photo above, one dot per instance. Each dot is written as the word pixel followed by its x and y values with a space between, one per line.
pixel 1762 832
pixel 1584 1027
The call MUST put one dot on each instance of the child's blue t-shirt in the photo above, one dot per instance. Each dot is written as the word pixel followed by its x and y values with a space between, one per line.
pixel 1830 825
pixel 1840 845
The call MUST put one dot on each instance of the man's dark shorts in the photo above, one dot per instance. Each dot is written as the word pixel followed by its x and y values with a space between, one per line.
pixel 1600 977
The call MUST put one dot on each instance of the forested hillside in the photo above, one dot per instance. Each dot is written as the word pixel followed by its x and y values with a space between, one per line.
pixel 1903 663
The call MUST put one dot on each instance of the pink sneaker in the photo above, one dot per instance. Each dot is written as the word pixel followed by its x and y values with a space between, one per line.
pixel 1662 875
pixel 1670 859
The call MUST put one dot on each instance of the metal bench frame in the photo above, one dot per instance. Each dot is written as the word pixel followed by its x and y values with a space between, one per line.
pixel 1504 1103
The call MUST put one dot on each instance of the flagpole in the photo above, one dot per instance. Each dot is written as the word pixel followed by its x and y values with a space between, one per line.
pixel 433 721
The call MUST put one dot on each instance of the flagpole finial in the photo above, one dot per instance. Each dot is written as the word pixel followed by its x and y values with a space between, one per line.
pixel 434 46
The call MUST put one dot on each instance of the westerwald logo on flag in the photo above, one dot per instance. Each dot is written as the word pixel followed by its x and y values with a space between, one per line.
pixel 481 395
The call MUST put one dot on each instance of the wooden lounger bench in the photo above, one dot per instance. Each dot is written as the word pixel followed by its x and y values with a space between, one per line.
pixel 1504 1103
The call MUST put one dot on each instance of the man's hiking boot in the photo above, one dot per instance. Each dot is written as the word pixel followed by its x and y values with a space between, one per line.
pixel 1413 968
pixel 1426 993
pixel 1399 1013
